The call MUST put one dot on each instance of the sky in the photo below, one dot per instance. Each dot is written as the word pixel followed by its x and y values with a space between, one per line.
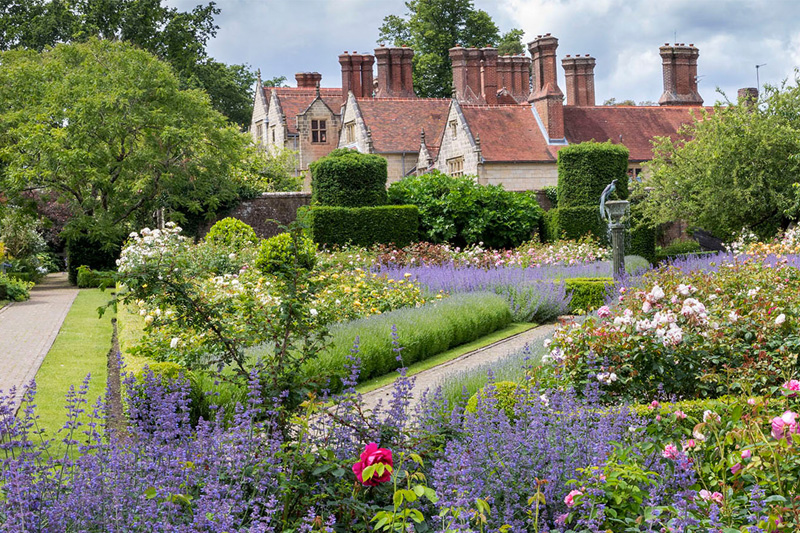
pixel 282 37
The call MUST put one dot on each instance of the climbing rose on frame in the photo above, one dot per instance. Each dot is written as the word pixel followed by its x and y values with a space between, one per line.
pixel 370 456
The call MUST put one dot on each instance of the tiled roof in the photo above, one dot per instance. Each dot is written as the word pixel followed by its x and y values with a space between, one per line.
pixel 631 126
pixel 295 100
pixel 507 133
pixel 396 123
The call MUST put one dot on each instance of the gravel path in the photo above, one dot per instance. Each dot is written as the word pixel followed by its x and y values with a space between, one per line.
pixel 28 329
pixel 434 376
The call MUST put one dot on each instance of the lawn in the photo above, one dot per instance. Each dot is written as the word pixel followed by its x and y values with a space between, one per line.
pixel 81 348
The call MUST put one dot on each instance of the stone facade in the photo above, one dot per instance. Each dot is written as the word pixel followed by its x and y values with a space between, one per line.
pixel 311 148
pixel 457 142
pixel 519 176
pixel 262 212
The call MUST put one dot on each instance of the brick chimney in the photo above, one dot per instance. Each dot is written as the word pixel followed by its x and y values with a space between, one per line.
pixel 475 74
pixel 395 73
pixel 521 73
pixel 546 97
pixel 356 74
pixel 308 80
pixel 748 96
pixel 680 75
pixel 579 73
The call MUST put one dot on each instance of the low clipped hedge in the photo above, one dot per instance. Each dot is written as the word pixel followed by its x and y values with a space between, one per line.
pixel 587 293
pixel 677 249
pixel 92 279
pixel 422 333
pixel 233 233
pixel 81 250
pixel 364 226
pixel 576 222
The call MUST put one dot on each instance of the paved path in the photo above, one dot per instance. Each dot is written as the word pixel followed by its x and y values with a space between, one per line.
pixel 434 376
pixel 28 329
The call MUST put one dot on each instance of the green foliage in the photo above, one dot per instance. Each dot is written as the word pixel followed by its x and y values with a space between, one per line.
pixel 575 223
pixel 505 392
pixel 91 279
pixel 511 43
pixel 15 290
pixel 272 171
pixel 677 248
pixel 460 211
pixel 122 139
pixel 231 232
pixel 431 28
pixel 177 37
pixel 730 168
pixel 348 178
pixel 422 333
pixel 83 251
pixel 551 192
pixel 585 169
pixel 364 226
pixel 636 264
pixel 642 240
pixel 587 293
pixel 288 250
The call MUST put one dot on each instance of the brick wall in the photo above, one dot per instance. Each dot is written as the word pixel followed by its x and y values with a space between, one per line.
pixel 280 206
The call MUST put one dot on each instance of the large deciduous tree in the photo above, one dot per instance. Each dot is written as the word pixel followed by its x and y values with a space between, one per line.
pixel 106 127
pixel 175 36
pixel 431 28
pixel 730 168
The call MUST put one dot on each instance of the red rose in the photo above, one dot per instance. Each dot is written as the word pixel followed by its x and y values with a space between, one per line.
pixel 373 455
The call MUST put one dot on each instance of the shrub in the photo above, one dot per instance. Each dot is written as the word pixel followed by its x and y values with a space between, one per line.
pixel 422 332
pixel 347 178
pixel 587 294
pixel 276 252
pixel 552 194
pixel 90 279
pixel 14 289
pixel 635 264
pixel 643 241
pixel 231 232
pixel 82 250
pixel 505 392
pixel 460 211
pixel 364 226
pixel 585 169
pixel 677 248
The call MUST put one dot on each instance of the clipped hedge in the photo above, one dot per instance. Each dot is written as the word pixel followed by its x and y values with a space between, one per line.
pixel 277 253
pixel 347 178
pixel 422 333
pixel 576 222
pixel 364 226
pixel 587 293
pixel 677 249
pixel 81 250
pixel 585 169
pixel 92 279
pixel 231 232
pixel 643 242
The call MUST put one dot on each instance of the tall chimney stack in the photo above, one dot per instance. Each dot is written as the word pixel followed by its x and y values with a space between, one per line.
pixel 546 97
pixel 679 63
pixel 356 74
pixel 308 80
pixel 395 72
pixel 579 74
pixel 475 74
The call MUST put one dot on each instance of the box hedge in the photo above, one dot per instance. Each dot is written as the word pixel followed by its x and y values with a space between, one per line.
pixel 363 226
pixel 422 333
pixel 92 279
pixel 587 293
pixel 347 178
pixel 585 169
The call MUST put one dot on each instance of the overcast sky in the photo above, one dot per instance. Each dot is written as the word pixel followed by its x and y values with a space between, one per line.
pixel 282 37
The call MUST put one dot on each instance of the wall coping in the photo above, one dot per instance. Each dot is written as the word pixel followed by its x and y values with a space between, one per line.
pixel 294 194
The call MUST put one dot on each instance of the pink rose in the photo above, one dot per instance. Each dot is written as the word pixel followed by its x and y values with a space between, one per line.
pixel 604 312
pixel 746 454
pixel 570 498
pixel 670 452
pixel 689 444
pixel 680 415
pixel 751 401
pixel 784 425
pixel 710 496
pixel 735 468
pixel 792 385
pixel 370 456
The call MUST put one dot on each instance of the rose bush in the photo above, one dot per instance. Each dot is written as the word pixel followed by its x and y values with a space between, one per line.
pixel 380 459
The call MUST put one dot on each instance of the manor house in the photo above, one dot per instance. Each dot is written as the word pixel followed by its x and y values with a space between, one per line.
pixel 505 123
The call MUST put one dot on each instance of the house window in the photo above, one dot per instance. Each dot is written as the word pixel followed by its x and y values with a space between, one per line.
pixel 454 128
pixel 319 133
pixel 272 131
pixel 455 166
pixel 350 132
pixel 259 131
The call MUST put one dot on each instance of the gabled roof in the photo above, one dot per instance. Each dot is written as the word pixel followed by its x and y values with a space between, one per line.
pixel 395 123
pixel 507 133
pixel 295 100
pixel 631 126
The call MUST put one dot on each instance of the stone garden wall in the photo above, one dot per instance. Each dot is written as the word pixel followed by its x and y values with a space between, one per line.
pixel 262 212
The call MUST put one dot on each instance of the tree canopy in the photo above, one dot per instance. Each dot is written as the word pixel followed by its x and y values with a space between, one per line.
pixel 107 127
pixel 431 28
pixel 730 168
pixel 175 36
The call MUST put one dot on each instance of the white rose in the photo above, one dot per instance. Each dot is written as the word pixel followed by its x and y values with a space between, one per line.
pixel 780 319
pixel 174 342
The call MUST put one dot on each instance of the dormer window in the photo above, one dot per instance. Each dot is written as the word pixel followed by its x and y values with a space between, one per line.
pixel 319 133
